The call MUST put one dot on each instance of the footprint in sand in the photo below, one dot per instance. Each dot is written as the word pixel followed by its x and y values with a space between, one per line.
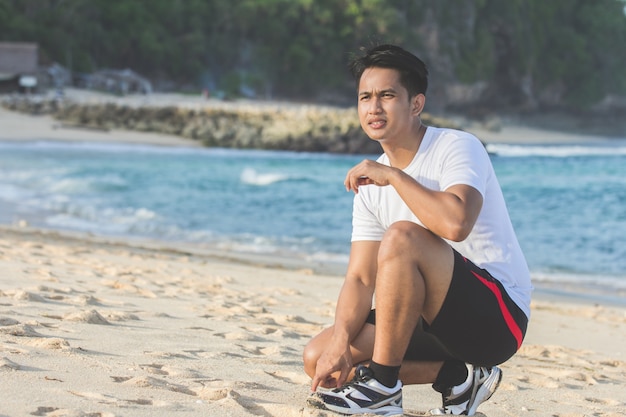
pixel 86 300
pixel 252 350
pixel 297 323
pixel 611 363
pixel 7 321
pixel 31 336
pixel 268 321
pixel 323 311
pixel 233 400
pixel 273 331
pixel 62 412
pixel 224 393
pixel 7 364
pixel 90 316
pixel 22 295
pixel 120 316
pixel 216 394
pixel 216 384
pixel 20 330
pixel 284 334
pixel 108 399
pixel 158 369
pixel 95 396
pixel 603 401
pixel 297 378
pixel 281 351
pixel 167 355
pixel 154 368
pixel 240 336
pixel 261 330
pixel 129 288
pixel 150 382
pixel 185 373
pixel 270 350
pixel 51 343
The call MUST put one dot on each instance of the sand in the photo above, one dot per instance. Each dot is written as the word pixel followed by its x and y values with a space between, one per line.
pixel 16 126
pixel 92 326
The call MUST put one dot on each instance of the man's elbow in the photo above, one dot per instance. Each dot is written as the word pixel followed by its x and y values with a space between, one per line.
pixel 458 232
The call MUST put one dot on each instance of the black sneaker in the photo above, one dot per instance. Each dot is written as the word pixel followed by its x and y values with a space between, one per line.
pixel 363 394
pixel 464 399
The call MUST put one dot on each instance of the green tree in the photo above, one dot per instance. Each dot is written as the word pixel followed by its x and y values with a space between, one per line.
pixel 525 51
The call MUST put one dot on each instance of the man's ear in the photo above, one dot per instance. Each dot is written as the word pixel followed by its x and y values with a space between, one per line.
pixel 418 102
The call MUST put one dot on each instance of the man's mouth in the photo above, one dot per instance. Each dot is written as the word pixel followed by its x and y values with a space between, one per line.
pixel 377 124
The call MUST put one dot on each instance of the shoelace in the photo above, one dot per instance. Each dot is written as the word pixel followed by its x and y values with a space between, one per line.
pixel 357 378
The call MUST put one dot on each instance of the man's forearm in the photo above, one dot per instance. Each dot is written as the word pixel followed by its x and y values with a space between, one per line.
pixel 353 307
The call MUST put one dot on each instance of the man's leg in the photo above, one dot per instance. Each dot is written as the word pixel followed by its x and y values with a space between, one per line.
pixel 413 276
pixel 414 273
pixel 411 372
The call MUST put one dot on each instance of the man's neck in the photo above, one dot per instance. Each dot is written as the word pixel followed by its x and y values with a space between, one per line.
pixel 402 153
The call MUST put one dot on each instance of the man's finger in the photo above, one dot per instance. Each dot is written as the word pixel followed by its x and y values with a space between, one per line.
pixel 343 376
pixel 315 383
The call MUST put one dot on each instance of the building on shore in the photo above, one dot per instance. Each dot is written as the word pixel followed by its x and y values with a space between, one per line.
pixel 18 67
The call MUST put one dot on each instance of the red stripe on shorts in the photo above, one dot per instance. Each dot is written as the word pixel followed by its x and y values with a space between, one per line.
pixel 508 318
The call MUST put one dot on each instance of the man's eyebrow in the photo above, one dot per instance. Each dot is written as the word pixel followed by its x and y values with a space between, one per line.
pixel 381 92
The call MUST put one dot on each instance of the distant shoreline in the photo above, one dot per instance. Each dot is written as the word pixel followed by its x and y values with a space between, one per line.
pixel 22 126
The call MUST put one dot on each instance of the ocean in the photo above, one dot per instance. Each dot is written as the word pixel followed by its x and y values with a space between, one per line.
pixel 567 202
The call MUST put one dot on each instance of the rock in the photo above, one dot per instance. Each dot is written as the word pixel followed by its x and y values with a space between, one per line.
pixel 301 128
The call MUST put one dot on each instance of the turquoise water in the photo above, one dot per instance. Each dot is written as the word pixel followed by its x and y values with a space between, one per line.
pixel 567 203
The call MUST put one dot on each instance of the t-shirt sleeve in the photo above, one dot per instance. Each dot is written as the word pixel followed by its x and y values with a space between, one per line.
pixel 365 224
pixel 467 162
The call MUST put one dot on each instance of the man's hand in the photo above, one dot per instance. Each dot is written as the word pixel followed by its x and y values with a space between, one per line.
pixel 367 172
pixel 334 359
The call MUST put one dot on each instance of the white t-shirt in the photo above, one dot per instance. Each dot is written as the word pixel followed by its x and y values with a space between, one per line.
pixel 445 158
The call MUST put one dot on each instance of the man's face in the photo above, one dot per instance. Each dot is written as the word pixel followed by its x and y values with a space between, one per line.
pixel 383 105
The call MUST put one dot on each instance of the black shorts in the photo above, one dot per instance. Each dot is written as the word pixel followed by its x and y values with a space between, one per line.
pixel 478 322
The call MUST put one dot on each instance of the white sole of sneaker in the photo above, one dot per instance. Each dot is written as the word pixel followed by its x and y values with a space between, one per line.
pixel 387 411
pixel 315 402
pixel 486 390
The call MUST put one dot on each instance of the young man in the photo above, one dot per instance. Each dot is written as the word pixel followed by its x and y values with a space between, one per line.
pixel 433 242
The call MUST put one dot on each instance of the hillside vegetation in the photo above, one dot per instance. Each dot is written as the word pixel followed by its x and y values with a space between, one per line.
pixel 522 55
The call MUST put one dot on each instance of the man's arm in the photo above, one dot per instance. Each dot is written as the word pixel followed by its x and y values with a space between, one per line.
pixel 353 306
pixel 450 214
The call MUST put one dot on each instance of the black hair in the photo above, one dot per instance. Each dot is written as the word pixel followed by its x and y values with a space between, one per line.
pixel 413 71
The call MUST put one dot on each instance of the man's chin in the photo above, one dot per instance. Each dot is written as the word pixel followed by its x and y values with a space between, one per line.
pixel 377 136
pixel 378 139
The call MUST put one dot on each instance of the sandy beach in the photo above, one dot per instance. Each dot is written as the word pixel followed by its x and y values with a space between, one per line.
pixel 92 326
pixel 18 126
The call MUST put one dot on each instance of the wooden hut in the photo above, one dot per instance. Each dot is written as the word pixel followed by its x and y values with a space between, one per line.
pixel 18 66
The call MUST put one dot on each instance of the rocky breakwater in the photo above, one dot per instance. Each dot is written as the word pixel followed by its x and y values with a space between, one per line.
pixel 297 127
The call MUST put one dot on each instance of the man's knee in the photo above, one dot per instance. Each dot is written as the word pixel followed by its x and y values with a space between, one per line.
pixel 310 355
pixel 402 239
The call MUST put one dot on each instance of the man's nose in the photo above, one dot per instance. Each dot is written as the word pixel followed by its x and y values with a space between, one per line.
pixel 375 105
